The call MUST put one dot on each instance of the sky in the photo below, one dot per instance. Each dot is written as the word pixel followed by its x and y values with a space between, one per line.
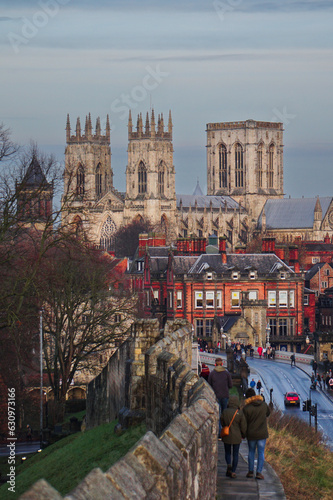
pixel 206 60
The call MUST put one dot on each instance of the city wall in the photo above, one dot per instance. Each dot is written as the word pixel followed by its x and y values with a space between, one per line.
pixel 177 458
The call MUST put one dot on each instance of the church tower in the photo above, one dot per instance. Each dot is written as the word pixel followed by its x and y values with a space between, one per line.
pixel 88 174
pixel 150 173
pixel 245 161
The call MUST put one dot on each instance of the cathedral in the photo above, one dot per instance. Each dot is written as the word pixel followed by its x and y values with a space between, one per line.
pixel 244 170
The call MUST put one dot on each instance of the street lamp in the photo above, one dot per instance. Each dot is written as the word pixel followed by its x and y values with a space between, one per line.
pixel 268 332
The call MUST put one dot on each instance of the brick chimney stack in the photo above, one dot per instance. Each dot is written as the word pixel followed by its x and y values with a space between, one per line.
pixel 223 249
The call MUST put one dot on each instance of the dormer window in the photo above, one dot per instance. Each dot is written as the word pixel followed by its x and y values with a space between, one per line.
pixel 282 276
pixel 252 275
pixel 209 276
pixel 235 275
pixel 139 265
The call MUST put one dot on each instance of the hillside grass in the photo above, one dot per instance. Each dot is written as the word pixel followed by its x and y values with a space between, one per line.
pixel 65 463
pixel 300 458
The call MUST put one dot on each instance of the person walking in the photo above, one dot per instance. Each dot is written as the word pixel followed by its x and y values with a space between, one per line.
pixel 259 386
pixel 292 360
pixel 256 412
pixel 220 381
pixel 233 417
pixel 252 384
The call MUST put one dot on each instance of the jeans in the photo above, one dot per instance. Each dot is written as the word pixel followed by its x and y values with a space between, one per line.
pixel 260 445
pixel 235 453
pixel 223 404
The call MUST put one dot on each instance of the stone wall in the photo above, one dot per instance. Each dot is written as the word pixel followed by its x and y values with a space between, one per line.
pixel 182 410
pixel 108 392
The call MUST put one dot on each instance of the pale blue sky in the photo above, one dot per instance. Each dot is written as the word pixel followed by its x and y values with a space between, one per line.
pixel 221 60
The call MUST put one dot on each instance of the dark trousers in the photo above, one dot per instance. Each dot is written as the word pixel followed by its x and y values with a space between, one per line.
pixel 235 454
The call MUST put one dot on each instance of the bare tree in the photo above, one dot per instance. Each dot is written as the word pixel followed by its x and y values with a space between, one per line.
pixel 86 309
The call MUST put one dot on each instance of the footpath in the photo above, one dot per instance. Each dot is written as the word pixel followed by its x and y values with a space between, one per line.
pixel 242 488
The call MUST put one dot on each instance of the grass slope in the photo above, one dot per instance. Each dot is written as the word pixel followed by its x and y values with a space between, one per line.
pixel 65 463
pixel 300 459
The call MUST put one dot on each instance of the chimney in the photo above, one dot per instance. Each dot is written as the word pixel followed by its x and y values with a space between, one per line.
pixel 280 252
pixel 143 241
pixel 268 245
pixel 327 238
pixel 293 258
pixel 240 249
pixel 222 249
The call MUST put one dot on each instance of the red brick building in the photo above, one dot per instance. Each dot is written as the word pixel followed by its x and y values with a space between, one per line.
pixel 257 290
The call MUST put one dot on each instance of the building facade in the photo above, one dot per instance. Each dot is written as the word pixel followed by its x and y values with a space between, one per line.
pixel 245 161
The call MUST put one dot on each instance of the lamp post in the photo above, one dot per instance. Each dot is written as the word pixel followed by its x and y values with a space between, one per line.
pixel 41 375
pixel 268 332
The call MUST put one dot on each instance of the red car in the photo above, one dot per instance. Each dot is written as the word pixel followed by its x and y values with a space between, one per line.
pixel 291 399
pixel 204 371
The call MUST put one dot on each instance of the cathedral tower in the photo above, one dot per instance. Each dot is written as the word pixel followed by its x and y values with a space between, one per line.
pixel 150 173
pixel 88 174
pixel 245 161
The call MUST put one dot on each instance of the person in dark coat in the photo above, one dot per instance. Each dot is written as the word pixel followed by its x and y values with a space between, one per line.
pixel 221 381
pixel 237 432
pixel 256 412
pixel 259 386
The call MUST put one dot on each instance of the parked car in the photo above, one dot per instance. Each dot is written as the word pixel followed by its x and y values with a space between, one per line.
pixel 292 399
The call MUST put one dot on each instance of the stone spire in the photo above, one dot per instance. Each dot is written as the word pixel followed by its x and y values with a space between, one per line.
pixel 130 124
pixel 78 128
pixel 98 127
pixel 170 124
pixel 107 128
pixel 68 129
pixel 152 124
pixel 147 124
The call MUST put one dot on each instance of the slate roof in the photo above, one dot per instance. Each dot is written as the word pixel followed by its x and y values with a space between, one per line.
pixel 318 246
pixel 292 213
pixel 313 271
pixel 34 175
pixel 262 263
pixel 227 322
pixel 204 201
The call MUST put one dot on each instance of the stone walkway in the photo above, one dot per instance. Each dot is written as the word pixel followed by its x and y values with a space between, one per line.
pixel 243 488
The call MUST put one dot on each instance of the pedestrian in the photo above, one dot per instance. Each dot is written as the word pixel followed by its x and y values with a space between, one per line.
pixel 319 380
pixel 259 386
pixel 251 351
pixel 260 351
pixel 312 377
pixel 204 373
pixel 252 384
pixel 314 367
pixel 264 352
pixel 221 382
pixel 292 360
pixel 256 412
pixel 327 379
pixel 234 418
pixel 330 383
pixel 29 433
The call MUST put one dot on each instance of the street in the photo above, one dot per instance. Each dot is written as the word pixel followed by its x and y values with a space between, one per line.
pixel 283 378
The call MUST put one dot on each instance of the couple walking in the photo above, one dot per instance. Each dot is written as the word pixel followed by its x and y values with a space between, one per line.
pixel 249 423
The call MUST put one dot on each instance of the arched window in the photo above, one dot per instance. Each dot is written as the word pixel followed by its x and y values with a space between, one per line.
pixel 239 166
pixel 107 234
pixel 142 178
pixel 223 169
pixel 98 180
pixel 271 166
pixel 161 178
pixel 80 181
pixel 259 161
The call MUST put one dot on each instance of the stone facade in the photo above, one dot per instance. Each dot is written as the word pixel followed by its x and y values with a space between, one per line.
pixel 245 161
pixel 234 198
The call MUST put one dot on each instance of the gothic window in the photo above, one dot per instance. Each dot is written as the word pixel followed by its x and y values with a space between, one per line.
pixel 259 155
pixel 223 172
pixel 80 181
pixel 271 166
pixel 239 166
pixel 98 180
pixel 107 234
pixel 161 178
pixel 142 178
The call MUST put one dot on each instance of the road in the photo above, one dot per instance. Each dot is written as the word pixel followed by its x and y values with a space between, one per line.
pixel 20 448
pixel 284 378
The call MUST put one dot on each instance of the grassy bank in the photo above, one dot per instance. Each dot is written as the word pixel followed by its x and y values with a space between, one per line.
pixel 65 463
pixel 300 459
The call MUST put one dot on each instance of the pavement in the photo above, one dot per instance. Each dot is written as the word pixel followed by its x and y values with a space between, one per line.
pixel 242 488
